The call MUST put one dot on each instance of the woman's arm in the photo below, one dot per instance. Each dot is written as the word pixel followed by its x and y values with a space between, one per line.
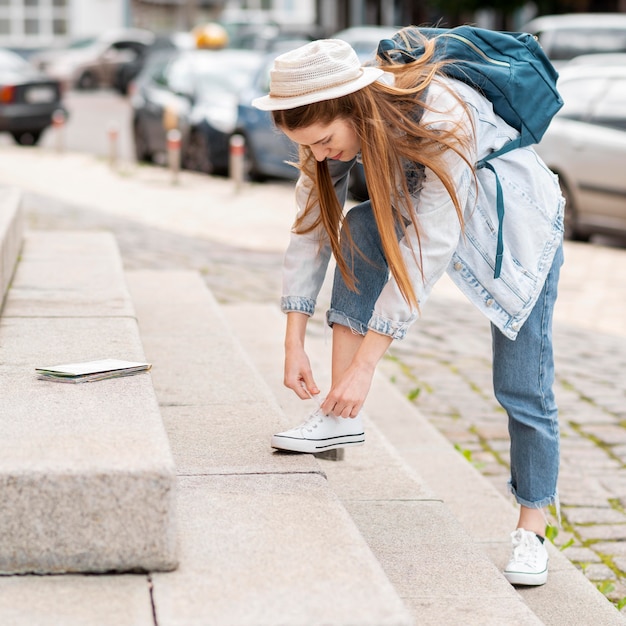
pixel 355 358
pixel 298 374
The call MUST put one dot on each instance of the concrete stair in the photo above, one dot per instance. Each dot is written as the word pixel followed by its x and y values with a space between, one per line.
pixel 384 536
pixel 398 528
pixel 87 479
pixel 264 538
pixel 446 568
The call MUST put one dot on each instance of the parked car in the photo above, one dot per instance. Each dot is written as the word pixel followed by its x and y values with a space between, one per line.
pixel 196 91
pixel 268 151
pixel 28 100
pixel 585 145
pixel 364 39
pixel 93 62
pixel 599 58
pixel 564 37
pixel 165 42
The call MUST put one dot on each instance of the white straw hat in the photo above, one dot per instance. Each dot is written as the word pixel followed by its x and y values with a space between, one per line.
pixel 319 70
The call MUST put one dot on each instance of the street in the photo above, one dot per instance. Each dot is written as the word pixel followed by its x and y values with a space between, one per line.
pixel 92 116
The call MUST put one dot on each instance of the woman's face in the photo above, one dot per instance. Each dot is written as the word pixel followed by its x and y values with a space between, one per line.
pixel 337 141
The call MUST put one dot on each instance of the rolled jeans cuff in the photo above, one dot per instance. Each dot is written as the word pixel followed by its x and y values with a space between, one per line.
pixel 541 504
pixel 297 304
pixel 391 328
pixel 337 317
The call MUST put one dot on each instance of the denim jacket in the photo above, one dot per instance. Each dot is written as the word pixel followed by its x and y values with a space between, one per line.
pixel 532 227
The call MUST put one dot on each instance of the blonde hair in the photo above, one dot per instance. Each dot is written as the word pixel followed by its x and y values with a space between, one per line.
pixel 386 120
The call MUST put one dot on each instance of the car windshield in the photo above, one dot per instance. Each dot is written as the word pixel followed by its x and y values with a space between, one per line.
pixel 232 80
pixel 570 43
pixel 82 43
pixel 209 73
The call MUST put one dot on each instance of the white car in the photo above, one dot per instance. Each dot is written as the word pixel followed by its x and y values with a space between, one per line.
pixel 585 145
pixel 94 61
pixel 564 37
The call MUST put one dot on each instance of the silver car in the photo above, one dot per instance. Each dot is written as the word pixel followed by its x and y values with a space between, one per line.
pixel 586 146
pixel 564 37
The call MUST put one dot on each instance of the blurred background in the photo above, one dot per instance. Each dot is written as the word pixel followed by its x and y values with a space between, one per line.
pixel 120 78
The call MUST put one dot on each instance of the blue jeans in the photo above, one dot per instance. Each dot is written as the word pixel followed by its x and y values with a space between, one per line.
pixel 523 370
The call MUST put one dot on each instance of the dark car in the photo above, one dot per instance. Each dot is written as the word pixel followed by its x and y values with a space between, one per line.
pixel 28 99
pixel 168 42
pixel 195 91
pixel 268 152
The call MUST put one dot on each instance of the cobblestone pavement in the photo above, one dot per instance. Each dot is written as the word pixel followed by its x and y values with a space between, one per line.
pixel 444 366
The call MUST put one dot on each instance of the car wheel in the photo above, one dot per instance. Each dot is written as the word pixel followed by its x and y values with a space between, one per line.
pixel 27 137
pixel 197 156
pixel 87 81
pixel 571 230
pixel 142 149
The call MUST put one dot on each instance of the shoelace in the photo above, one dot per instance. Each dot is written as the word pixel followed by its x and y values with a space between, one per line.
pixel 525 547
pixel 316 417
pixel 313 421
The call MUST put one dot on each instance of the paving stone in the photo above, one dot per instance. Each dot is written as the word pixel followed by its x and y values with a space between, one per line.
pixel 594 515
pixel 598 571
pixel 603 532
pixel 582 555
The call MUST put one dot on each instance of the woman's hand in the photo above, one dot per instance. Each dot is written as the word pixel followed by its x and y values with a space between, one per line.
pixel 298 375
pixel 354 363
pixel 347 396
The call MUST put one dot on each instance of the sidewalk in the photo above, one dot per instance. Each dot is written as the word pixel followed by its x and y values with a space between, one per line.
pixel 444 363
pixel 592 292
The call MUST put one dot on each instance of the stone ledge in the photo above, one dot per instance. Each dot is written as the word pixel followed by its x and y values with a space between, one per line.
pixel 87 478
pixel 11 234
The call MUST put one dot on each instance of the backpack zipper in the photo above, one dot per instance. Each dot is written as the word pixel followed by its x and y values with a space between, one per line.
pixel 476 49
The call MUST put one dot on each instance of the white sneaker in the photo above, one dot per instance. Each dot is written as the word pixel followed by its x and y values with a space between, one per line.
pixel 529 561
pixel 321 432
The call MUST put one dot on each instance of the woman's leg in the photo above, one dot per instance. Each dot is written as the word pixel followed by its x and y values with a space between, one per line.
pixel 350 311
pixel 523 377
pixel 349 315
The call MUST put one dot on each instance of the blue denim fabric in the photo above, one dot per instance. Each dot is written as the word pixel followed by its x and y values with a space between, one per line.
pixel 532 229
pixel 523 377
pixel 370 270
pixel 523 368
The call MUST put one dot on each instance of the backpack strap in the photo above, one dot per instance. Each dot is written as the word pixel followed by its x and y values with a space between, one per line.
pixel 484 162
pixel 500 211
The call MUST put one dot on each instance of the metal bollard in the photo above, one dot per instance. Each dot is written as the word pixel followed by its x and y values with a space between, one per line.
pixel 236 160
pixel 113 133
pixel 173 153
pixel 58 123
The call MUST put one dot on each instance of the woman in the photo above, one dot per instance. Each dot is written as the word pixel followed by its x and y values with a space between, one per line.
pixel 418 135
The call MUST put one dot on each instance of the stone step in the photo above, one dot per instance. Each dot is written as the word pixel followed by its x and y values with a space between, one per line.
pixel 87 478
pixel 11 235
pixel 264 539
pixel 443 576
pixel 459 579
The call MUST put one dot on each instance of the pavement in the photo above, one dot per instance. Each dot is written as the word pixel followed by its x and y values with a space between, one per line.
pixel 235 238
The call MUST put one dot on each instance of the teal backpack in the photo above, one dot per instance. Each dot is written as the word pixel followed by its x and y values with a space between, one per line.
pixel 509 69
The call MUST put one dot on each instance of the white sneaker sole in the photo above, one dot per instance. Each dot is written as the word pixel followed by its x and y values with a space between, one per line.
pixel 525 578
pixel 312 446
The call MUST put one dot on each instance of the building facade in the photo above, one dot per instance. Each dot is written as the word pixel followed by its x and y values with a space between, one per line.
pixel 41 23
